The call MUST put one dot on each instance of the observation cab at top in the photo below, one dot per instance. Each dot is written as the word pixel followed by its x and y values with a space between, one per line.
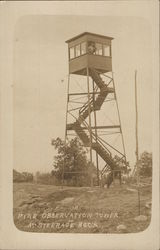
pixel 89 50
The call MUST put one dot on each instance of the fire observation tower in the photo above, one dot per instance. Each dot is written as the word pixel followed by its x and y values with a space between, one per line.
pixel 90 90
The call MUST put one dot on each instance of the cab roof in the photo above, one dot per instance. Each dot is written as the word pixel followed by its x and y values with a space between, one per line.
pixel 88 33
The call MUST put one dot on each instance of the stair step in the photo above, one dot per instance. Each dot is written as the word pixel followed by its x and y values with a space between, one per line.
pixel 105 155
pixel 97 105
pixel 82 135
pixel 96 146
pixel 96 77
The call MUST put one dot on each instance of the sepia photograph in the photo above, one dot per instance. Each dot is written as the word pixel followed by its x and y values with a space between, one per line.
pixel 83 141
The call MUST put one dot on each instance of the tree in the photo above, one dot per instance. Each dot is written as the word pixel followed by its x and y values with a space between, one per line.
pixel 44 178
pixel 145 164
pixel 73 159
pixel 22 177
pixel 122 164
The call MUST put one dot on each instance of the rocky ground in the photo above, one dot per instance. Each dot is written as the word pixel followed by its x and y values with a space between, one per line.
pixel 48 208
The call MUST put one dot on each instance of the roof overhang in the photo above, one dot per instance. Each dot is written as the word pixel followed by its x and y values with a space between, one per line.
pixel 88 33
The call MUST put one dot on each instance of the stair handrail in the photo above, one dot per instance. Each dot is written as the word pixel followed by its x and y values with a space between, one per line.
pixel 98 138
pixel 84 107
pixel 90 102
pixel 98 75
pixel 101 144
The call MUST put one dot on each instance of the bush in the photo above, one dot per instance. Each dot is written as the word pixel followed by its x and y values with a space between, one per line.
pixel 22 177
pixel 145 164
pixel 72 159
pixel 45 178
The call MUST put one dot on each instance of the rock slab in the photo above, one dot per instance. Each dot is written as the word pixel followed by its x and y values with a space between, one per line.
pixel 140 218
pixel 121 227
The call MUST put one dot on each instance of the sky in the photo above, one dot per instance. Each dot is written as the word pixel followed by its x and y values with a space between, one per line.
pixel 40 81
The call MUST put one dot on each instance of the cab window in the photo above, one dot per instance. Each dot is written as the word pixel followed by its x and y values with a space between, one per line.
pixel 106 50
pixel 71 53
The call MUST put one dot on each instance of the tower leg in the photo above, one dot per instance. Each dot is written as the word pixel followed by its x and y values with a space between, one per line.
pixel 119 118
pixel 95 124
pixel 65 137
pixel 90 129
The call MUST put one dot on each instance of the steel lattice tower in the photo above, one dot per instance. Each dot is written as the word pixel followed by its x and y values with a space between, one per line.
pixel 90 65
